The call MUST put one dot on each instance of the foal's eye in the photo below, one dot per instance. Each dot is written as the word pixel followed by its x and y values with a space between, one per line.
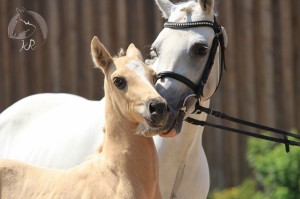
pixel 119 82
pixel 199 49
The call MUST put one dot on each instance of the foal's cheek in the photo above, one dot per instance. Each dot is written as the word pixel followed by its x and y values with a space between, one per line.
pixel 135 113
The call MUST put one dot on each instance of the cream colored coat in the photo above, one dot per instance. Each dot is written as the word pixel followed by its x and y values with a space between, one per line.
pixel 127 167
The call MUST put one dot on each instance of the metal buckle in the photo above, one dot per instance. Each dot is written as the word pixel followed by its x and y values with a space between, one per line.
pixel 185 108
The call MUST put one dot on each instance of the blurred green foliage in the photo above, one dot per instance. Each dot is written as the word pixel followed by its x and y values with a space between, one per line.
pixel 246 190
pixel 276 173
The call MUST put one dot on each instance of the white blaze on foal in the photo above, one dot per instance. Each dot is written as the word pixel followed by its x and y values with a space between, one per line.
pixel 134 65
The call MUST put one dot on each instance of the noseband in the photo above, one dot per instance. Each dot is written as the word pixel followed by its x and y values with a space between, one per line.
pixel 218 40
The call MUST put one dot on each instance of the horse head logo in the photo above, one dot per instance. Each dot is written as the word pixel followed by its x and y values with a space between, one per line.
pixel 29 27
pixel 23 28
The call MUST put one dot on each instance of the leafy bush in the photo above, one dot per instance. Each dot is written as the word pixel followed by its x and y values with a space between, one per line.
pixel 247 190
pixel 276 172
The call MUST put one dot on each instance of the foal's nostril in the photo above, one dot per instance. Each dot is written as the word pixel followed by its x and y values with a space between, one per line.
pixel 157 108
pixel 168 108
pixel 152 108
pixel 158 112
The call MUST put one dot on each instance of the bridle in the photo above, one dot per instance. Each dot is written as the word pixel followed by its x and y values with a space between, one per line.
pixel 217 41
pixel 198 89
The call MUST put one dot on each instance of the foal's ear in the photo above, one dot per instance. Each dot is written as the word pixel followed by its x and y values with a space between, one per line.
pixel 165 6
pixel 207 5
pixel 101 56
pixel 133 52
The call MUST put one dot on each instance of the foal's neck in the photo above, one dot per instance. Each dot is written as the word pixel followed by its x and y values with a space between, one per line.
pixel 121 142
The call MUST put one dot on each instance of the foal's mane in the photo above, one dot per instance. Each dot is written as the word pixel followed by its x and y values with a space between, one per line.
pixel 121 53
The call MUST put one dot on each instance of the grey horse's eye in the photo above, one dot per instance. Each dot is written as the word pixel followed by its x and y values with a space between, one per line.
pixel 199 49
pixel 119 82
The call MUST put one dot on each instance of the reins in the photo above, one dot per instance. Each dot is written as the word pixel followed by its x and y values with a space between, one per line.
pixel 198 90
pixel 218 114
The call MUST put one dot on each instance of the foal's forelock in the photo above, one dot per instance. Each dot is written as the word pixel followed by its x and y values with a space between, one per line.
pixel 121 53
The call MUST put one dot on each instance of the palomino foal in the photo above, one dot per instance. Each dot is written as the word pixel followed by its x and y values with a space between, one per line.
pixel 127 167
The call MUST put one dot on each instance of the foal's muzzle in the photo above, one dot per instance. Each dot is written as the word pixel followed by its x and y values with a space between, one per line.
pixel 158 111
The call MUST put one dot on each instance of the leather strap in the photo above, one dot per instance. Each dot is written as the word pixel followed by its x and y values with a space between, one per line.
pixel 221 115
pixel 178 77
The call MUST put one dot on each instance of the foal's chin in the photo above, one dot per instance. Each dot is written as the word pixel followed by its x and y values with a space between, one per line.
pixel 148 131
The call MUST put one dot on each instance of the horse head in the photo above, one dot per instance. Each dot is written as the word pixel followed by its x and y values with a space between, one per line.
pixel 23 25
pixel 129 86
pixel 185 52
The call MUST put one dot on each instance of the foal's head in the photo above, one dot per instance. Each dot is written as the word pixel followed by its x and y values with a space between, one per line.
pixel 129 85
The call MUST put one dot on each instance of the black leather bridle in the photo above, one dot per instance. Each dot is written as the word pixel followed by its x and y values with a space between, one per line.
pixel 217 41
pixel 198 90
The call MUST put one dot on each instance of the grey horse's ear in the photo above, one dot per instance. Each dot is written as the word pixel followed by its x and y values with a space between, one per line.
pixel 207 5
pixel 165 6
